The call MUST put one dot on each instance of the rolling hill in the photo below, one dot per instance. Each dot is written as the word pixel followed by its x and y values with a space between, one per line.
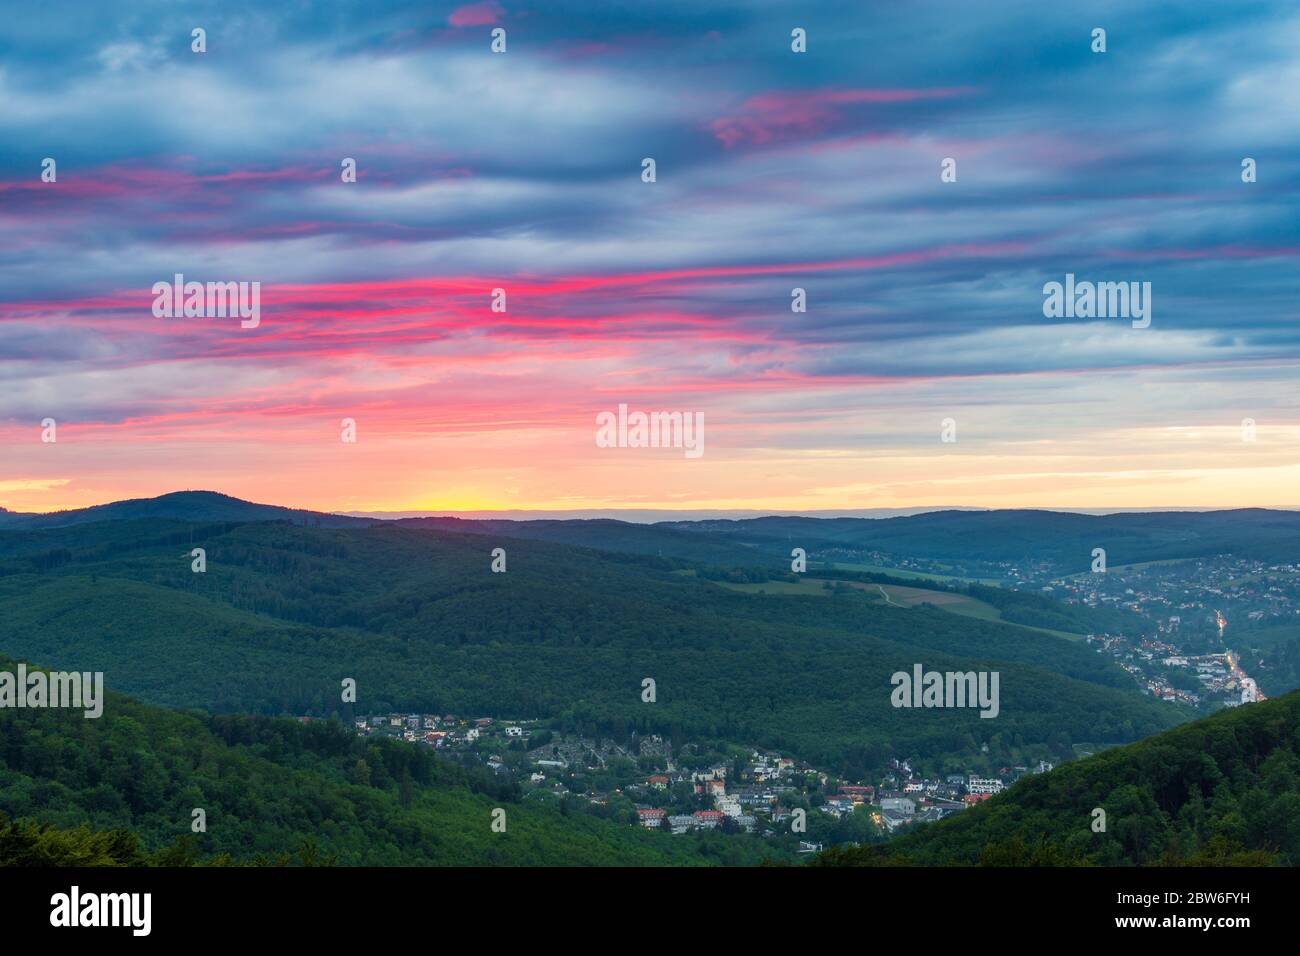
pixel 1062 541
pixel 283 613
pixel 1223 790
pixel 273 789
pixel 182 506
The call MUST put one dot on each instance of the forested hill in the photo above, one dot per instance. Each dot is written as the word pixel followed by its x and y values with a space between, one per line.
pixel 179 506
pixel 275 788
pixel 1224 790
pixel 284 612
pixel 1060 541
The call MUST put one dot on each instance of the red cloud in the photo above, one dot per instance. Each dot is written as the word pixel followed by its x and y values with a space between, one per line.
pixel 476 14
pixel 780 115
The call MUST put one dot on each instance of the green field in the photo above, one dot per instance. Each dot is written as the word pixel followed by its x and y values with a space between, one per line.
pixel 1137 566
pixel 915 575
pixel 897 596
pixel 959 604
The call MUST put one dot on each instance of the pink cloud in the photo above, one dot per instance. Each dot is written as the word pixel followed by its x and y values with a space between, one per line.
pixel 782 114
pixel 476 14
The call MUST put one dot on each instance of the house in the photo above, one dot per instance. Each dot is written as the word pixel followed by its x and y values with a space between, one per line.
pixel 899 805
pixel 709 819
pixel 681 822
pixel 858 794
pixel 514 731
pixel 989 785
pixel 651 817
pixel 658 781
pixel 838 805
pixel 893 819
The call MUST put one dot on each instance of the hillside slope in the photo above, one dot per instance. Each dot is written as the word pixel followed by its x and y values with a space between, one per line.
pixel 1060 541
pixel 179 506
pixel 283 613
pixel 275 787
pixel 1224 790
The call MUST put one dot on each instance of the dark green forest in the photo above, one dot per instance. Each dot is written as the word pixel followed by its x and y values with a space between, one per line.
pixel 1224 790
pixel 207 667
pixel 284 613
pixel 280 791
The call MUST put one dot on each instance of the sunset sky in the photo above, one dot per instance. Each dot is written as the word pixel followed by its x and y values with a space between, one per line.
pixel 775 170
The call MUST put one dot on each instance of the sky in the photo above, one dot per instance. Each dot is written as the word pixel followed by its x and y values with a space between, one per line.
pixel 774 170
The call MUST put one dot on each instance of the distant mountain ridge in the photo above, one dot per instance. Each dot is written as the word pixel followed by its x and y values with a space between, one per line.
pixel 181 506
pixel 1062 541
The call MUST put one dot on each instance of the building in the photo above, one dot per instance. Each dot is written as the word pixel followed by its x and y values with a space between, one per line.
pixel 858 794
pixel 988 785
pixel 900 805
pixel 651 817
pixel 709 819
pixel 893 819
pixel 714 788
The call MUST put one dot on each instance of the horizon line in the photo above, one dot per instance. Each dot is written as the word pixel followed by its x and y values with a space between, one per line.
pixel 684 513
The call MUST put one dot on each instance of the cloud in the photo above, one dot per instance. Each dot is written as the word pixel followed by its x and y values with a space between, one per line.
pixel 476 14
pixel 776 171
